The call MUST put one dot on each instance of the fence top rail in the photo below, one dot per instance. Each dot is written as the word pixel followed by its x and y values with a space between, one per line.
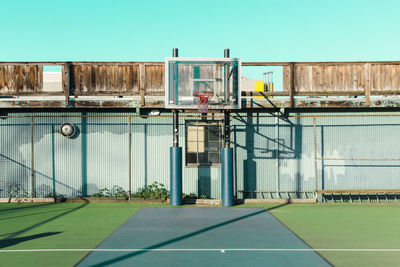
pixel 199 116
pixel 320 63
pixel 359 191
pixel 250 63
pixel 82 63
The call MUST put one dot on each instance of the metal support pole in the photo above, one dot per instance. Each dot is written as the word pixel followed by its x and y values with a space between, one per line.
pixel 175 159
pixel 53 160
pixel 84 155
pixel 227 165
pixel 176 128
pixel 277 182
pixel 226 75
pixel 226 53
pixel 176 165
pixel 227 176
pixel 130 158
pixel 227 129
pixel 32 158
pixel 175 52
pixel 176 176
pixel 315 156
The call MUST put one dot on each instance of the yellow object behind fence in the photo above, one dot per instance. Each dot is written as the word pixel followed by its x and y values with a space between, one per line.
pixel 260 86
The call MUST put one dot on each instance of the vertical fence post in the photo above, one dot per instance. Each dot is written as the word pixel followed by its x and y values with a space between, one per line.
pixel 367 85
pixel 315 155
pixel 53 161
pixel 129 158
pixel 84 153
pixel 277 155
pixel 292 84
pixel 142 81
pixel 32 158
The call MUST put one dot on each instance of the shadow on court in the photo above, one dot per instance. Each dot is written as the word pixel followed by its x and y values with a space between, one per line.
pixel 13 241
pixel 174 230
pixel 29 206
pixel 32 214
pixel 11 238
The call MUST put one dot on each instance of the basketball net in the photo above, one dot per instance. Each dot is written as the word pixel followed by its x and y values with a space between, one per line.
pixel 202 99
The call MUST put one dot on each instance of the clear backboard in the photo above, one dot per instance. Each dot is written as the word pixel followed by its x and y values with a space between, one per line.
pixel 218 79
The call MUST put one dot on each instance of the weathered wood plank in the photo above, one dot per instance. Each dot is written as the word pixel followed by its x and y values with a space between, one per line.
pixel 286 73
pixel 142 84
pixel 367 84
pixel 2 78
pixel 128 77
pixel 154 78
pixel 40 79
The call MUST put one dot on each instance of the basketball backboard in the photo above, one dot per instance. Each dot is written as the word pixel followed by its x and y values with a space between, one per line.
pixel 185 77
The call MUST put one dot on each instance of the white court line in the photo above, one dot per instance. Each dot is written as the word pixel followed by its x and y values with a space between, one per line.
pixel 205 249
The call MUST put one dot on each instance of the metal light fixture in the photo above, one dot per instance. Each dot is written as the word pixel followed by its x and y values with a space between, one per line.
pixel 154 112
pixel 68 130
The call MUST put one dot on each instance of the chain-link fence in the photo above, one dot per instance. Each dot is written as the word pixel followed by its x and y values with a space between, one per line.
pixel 274 157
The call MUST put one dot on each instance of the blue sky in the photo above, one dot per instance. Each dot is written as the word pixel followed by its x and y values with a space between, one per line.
pixel 269 30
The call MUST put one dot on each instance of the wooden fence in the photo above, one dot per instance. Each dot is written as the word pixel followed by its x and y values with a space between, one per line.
pixel 147 78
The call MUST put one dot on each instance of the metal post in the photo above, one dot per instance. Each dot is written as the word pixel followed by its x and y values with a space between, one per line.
pixel 84 153
pixel 315 155
pixel 176 165
pixel 226 75
pixel 227 129
pixel 227 176
pixel 175 158
pixel 226 53
pixel 53 160
pixel 176 128
pixel 176 72
pixel 175 52
pixel 130 158
pixel 32 158
pixel 277 154
pixel 176 176
pixel 227 165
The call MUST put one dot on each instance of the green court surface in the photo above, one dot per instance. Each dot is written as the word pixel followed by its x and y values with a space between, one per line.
pixel 71 230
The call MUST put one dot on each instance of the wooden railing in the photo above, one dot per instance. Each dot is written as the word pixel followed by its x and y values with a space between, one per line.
pixel 336 79
pixel 147 78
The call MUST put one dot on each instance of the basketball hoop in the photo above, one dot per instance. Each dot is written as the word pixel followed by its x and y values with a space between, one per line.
pixel 202 99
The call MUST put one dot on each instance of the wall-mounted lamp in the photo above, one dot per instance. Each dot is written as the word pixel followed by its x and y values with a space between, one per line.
pixel 154 112
pixel 68 130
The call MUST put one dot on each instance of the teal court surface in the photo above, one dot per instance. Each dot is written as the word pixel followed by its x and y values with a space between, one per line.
pixel 168 236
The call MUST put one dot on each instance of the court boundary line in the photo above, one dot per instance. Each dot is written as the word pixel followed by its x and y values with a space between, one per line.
pixel 205 250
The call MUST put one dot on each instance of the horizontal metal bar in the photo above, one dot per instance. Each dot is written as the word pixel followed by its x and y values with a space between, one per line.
pixel 256 191
pixel 361 191
pixel 345 115
pixel 85 63
pixel 361 159
pixel 305 93
pixel 209 116
pixel 112 116
pixel 117 93
pixel 277 93
pixel 385 92
pixel 331 63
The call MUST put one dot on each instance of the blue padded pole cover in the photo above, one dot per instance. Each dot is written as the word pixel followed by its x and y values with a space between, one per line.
pixel 227 176
pixel 176 176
